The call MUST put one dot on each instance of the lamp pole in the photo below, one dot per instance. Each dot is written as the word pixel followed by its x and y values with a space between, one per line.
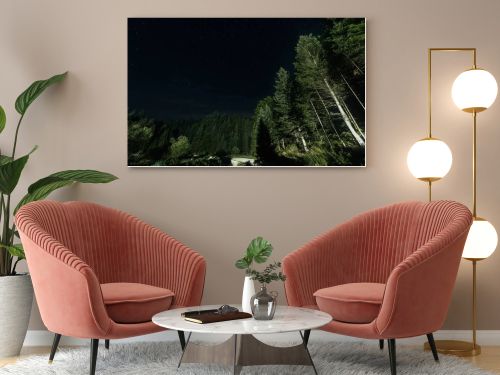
pixel 429 97
pixel 475 347
pixel 454 347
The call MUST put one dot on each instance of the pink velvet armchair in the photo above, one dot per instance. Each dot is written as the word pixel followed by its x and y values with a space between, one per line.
pixel 99 273
pixel 385 274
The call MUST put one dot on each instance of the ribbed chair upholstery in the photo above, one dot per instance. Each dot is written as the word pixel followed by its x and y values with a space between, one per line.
pixel 385 274
pixel 82 255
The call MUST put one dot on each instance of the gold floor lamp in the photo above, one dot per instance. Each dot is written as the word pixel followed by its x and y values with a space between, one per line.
pixel 430 159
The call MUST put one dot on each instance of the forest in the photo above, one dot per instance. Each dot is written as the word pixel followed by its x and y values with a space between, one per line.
pixel 315 115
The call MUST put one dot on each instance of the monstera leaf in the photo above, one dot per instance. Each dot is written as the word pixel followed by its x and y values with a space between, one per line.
pixel 242 263
pixel 31 93
pixel 43 187
pixel 258 250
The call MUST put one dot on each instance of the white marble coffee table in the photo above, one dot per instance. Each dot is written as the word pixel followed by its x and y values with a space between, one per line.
pixel 242 348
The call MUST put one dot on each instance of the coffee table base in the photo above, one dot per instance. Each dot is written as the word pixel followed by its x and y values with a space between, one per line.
pixel 246 350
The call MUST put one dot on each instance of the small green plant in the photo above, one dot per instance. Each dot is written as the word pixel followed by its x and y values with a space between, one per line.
pixel 259 250
pixel 269 274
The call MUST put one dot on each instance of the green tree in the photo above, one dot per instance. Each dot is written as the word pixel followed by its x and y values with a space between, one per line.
pixel 283 125
pixel 265 152
pixel 263 116
pixel 310 68
pixel 345 40
pixel 219 132
pixel 344 45
pixel 312 76
pixel 140 134
pixel 179 148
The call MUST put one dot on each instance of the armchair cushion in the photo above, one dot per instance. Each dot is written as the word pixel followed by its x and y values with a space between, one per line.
pixel 353 302
pixel 133 302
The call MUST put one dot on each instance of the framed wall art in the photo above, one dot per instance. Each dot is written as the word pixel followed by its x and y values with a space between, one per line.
pixel 256 92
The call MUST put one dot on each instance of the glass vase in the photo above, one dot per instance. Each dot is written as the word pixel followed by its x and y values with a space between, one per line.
pixel 263 304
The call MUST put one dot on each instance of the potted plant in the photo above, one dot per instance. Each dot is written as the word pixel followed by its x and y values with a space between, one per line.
pixel 258 251
pixel 16 291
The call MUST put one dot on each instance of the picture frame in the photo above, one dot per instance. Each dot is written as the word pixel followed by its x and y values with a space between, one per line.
pixel 249 92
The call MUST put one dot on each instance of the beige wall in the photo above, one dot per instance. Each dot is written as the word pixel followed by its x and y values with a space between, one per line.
pixel 82 124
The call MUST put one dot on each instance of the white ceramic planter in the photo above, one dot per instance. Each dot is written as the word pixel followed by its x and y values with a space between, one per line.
pixel 16 298
pixel 248 292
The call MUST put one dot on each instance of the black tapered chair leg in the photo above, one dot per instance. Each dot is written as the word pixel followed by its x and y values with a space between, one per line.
pixel 94 346
pixel 381 344
pixel 55 344
pixel 106 344
pixel 392 355
pixel 307 333
pixel 182 339
pixel 432 344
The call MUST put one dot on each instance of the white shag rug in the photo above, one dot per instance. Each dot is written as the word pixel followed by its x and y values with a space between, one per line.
pixel 162 357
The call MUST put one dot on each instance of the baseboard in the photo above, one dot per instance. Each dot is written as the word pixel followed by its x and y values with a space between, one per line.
pixel 484 337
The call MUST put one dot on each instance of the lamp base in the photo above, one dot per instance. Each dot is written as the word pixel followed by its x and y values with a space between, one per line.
pixel 456 348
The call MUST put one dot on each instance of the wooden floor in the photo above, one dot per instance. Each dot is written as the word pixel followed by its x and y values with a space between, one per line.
pixel 488 360
pixel 26 352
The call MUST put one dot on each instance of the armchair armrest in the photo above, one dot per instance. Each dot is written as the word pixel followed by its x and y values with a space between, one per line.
pixel 419 289
pixel 165 262
pixel 68 292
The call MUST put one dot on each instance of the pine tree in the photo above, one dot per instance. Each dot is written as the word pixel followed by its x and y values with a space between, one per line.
pixel 265 152
pixel 344 45
pixel 282 109
pixel 312 75
pixel 307 72
pixel 263 115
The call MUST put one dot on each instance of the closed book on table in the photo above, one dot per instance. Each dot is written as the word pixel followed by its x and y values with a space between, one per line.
pixel 212 317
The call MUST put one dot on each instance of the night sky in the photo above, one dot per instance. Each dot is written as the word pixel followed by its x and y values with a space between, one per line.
pixel 189 68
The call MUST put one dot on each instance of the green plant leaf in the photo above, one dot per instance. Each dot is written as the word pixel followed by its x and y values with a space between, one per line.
pixel 10 172
pixel 29 95
pixel 260 258
pixel 3 119
pixel 43 187
pixel 15 250
pixel 86 176
pixel 48 183
pixel 242 263
pixel 4 159
pixel 259 250
pixel 42 193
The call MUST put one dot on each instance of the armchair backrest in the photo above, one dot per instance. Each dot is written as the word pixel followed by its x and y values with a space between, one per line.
pixel 92 232
pixel 368 247
pixel 386 236
pixel 379 241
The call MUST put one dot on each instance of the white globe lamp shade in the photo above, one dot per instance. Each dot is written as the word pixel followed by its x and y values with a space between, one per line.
pixel 429 159
pixel 481 241
pixel 474 90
